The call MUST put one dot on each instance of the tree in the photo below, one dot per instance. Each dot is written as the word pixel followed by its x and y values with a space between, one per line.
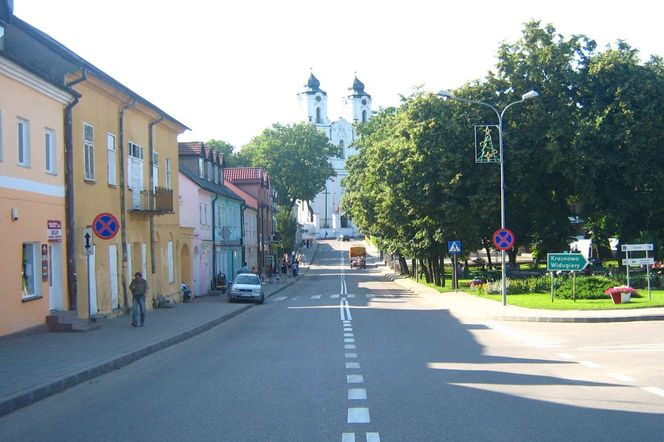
pixel 297 159
pixel 623 108
pixel 232 158
pixel 286 229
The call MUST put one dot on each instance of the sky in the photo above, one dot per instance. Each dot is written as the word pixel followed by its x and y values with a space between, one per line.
pixel 229 69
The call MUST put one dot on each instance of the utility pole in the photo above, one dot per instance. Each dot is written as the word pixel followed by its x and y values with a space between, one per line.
pixel 325 223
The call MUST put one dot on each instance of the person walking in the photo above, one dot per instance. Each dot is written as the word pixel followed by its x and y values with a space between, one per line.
pixel 139 288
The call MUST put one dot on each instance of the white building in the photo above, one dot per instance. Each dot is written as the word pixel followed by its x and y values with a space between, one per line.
pixel 323 214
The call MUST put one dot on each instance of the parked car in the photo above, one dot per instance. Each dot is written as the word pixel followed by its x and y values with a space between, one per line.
pixel 246 286
pixel 343 238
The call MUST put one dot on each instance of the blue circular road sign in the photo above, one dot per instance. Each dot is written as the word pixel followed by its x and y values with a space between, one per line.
pixel 504 239
pixel 105 226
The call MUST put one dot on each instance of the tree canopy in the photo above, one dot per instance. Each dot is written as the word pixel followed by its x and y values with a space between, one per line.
pixel 586 146
pixel 297 158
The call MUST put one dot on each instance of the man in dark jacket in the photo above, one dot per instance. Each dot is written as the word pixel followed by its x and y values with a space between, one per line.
pixel 139 288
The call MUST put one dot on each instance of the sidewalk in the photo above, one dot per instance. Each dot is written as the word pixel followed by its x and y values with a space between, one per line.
pixel 38 363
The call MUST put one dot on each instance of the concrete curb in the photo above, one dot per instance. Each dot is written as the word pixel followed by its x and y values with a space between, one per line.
pixel 41 392
pixel 21 400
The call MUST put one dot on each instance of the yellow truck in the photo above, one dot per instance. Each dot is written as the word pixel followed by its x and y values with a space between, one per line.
pixel 358 257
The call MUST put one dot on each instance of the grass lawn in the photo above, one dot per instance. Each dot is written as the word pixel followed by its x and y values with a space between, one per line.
pixel 543 300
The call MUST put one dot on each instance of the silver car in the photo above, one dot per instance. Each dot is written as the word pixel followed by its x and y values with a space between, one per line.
pixel 247 286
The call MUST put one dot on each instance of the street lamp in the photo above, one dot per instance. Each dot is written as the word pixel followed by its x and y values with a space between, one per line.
pixel 499 114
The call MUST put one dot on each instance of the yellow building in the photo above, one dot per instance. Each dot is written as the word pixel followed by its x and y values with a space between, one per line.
pixel 32 198
pixel 120 178
pixel 125 155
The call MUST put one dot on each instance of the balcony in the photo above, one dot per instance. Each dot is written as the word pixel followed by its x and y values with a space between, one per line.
pixel 157 201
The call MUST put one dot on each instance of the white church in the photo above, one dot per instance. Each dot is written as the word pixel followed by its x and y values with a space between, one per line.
pixel 323 214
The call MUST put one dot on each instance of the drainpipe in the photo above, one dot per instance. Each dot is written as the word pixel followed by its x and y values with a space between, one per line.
pixel 214 238
pixel 242 207
pixel 70 223
pixel 123 203
pixel 153 261
pixel 259 235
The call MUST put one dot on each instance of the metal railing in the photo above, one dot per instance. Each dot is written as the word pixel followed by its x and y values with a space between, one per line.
pixel 156 201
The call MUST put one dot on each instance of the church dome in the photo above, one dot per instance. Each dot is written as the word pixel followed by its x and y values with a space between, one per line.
pixel 358 86
pixel 313 83
pixel 313 86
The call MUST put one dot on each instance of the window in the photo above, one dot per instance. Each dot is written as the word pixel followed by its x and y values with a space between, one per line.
pixel 111 150
pixel 319 120
pixel 221 175
pixel 89 151
pixel 23 127
pixel 169 178
pixel 200 214
pixel 155 169
pixel 2 36
pixel 201 168
pixel 209 171
pixel 342 149
pixel 364 116
pixel 136 151
pixel 30 276
pixel 49 151
pixel 171 267
pixel 215 173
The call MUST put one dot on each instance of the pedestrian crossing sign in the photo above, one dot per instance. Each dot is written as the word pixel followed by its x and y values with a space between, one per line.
pixel 454 247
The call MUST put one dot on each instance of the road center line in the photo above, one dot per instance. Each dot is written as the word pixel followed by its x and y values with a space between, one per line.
pixel 344 310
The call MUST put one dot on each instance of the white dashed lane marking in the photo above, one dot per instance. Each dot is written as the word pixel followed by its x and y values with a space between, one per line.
pixel 350 437
pixel 359 415
pixel 590 364
pixel 354 379
pixel 357 394
pixel 352 365
pixel 654 390
pixel 316 297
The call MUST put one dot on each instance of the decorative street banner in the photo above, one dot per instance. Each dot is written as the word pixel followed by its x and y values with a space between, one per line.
pixel 486 151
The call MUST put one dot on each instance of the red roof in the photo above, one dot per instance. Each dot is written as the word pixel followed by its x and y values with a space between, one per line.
pixel 247 175
pixel 190 148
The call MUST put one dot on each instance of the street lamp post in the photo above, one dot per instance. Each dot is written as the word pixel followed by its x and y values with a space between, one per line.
pixel 499 114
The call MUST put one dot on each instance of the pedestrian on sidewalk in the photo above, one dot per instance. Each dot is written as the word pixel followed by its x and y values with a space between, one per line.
pixel 139 288
pixel 284 270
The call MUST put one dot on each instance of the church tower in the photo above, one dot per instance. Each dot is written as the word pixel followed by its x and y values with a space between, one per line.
pixel 316 102
pixel 360 102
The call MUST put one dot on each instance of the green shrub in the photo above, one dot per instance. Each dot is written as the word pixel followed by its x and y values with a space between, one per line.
pixel 587 287
pixel 539 284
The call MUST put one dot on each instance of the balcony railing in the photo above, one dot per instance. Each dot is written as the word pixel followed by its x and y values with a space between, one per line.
pixel 157 201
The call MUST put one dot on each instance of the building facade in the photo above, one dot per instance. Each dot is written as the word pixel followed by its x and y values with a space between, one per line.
pixel 324 214
pixel 218 240
pixel 256 182
pixel 120 153
pixel 32 197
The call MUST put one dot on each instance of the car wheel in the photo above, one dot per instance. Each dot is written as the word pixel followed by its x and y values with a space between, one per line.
pixel 229 298
pixel 261 300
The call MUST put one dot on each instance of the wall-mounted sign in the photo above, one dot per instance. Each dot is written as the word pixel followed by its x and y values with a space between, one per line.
pixel 44 262
pixel 54 230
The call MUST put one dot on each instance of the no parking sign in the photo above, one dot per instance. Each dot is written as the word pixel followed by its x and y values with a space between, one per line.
pixel 504 239
pixel 105 226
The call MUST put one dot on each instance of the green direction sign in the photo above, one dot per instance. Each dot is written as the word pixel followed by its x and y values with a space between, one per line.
pixel 565 262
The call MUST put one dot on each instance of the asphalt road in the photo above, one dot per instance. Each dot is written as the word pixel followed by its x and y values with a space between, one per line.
pixel 344 355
